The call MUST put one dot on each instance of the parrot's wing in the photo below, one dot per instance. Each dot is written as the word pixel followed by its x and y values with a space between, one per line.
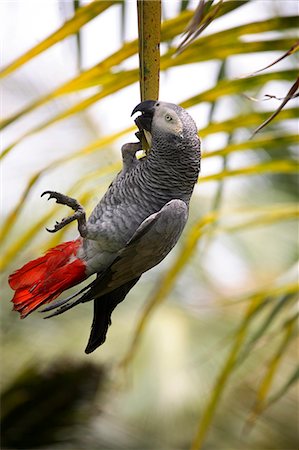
pixel 152 241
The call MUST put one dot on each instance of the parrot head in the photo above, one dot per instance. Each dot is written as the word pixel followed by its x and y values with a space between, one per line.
pixel 163 118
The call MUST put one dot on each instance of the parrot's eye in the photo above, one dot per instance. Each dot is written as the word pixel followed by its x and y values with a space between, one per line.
pixel 168 118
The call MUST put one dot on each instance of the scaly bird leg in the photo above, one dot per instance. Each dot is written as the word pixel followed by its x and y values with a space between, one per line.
pixel 79 215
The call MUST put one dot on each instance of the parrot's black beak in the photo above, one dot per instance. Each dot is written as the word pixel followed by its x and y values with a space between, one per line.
pixel 147 108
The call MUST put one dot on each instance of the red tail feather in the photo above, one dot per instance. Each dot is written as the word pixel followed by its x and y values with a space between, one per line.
pixel 44 279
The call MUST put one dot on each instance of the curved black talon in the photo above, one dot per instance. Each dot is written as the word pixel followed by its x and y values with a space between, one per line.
pixel 60 198
pixel 50 194
pixel 71 203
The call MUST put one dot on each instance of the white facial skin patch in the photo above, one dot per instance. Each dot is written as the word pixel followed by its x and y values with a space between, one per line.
pixel 167 120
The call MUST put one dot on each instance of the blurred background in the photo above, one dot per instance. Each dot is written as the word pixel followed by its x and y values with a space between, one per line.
pixel 204 351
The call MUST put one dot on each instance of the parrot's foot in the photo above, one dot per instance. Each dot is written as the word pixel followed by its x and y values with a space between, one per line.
pixel 128 152
pixel 131 148
pixel 72 203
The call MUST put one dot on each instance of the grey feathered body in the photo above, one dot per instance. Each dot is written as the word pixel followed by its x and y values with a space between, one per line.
pixel 169 172
pixel 141 216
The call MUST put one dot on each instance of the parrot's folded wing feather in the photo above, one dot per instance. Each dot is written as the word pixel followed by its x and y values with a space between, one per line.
pixel 64 300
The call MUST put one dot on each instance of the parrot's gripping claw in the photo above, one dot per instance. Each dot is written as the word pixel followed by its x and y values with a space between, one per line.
pixel 79 215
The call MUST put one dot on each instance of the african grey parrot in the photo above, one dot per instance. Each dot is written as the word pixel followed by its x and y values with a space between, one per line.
pixel 131 230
